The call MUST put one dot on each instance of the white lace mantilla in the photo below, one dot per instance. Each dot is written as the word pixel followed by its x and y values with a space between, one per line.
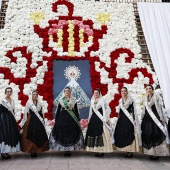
pixel 100 104
pixel 126 103
pixel 79 94
pixel 9 106
pixel 71 103
pixel 157 100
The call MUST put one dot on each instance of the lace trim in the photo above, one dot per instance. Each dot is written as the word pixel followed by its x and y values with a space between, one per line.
pixel 7 148
pixel 9 106
pixel 95 141
pixel 71 103
pixel 161 150
pixel 79 94
pixel 56 146
pixel 128 102
pixel 157 100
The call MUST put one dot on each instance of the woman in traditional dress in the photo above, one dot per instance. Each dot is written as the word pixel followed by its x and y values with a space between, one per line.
pixel 153 126
pixel 9 134
pixel 66 134
pixel 34 137
pixel 98 136
pixel 127 130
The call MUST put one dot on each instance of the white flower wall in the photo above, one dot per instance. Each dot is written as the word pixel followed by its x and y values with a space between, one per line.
pixel 34 35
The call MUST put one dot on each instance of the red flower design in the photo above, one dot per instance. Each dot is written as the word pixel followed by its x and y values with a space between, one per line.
pixel 46 89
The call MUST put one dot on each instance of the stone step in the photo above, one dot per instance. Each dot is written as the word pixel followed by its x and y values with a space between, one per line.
pixel 141 39
pixel 4 6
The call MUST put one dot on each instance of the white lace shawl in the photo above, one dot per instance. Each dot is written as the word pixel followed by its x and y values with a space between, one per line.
pixel 126 104
pixel 101 104
pixel 26 111
pixel 71 103
pixel 9 106
pixel 157 100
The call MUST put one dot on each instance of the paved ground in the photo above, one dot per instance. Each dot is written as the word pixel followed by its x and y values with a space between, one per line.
pixel 83 161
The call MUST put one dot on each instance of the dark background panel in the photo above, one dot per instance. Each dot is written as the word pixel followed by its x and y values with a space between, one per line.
pixel 84 81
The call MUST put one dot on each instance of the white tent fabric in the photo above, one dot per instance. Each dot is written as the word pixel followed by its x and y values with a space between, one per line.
pixel 155 20
pixel 0 4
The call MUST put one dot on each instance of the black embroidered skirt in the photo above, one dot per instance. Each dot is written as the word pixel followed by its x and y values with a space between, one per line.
pixel 9 134
pixel 94 133
pixel 151 134
pixel 34 138
pixel 124 131
pixel 66 134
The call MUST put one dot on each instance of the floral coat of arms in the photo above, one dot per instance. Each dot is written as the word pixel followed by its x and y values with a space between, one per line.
pixel 38 32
